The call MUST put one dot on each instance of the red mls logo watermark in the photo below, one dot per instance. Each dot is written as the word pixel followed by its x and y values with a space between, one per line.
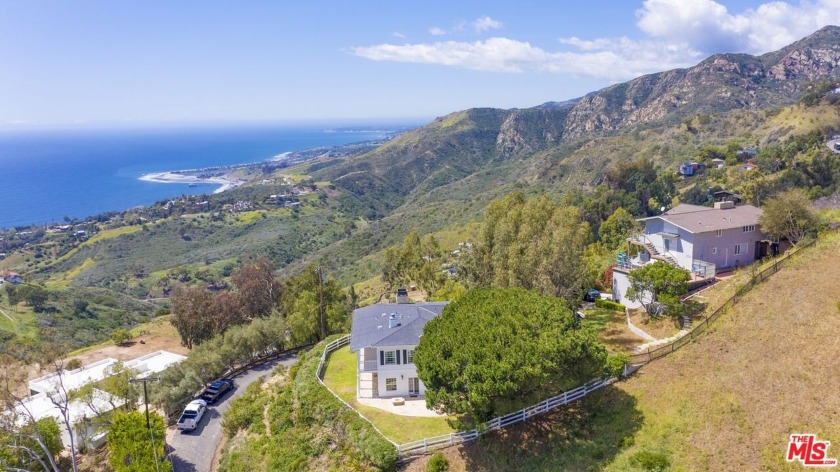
pixel 806 448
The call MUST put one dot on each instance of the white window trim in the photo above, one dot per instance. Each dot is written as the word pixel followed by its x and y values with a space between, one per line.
pixel 393 360
pixel 748 228
pixel 388 387
pixel 714 250
pixel 409 356
pixel 718 233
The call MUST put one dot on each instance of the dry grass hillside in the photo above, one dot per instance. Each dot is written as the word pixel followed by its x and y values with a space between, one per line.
pixel 727 402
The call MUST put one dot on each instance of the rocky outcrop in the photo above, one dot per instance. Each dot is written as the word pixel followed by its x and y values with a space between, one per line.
pixel 719 83
pixel 527 131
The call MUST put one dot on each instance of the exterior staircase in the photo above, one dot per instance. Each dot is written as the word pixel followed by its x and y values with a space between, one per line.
pixel 654 253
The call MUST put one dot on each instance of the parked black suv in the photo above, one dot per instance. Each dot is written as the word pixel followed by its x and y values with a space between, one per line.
pixel 216 390
pixel 591 295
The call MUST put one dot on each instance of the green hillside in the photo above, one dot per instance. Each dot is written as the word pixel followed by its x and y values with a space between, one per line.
pixel 728 401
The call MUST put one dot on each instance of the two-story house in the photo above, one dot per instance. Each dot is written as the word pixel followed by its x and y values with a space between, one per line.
pixel 384 338
pixel 702 240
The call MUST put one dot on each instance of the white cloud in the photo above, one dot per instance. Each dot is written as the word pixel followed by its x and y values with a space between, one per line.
pixel 435 31
pixel 678 33
pixel 486 23
pixel 709 27
pixel 397 34
pixel 612 60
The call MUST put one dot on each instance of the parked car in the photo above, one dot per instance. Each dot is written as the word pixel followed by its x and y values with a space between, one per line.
pixel 192 415
pixel 591 295
pixel 216 390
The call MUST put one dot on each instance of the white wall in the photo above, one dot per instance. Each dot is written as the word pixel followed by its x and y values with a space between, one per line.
pixel 401 372
pixel 621 282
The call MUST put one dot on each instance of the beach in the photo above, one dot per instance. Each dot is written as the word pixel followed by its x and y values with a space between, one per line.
pixel 185 178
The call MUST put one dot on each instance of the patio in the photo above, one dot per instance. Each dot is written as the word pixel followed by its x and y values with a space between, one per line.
pixel 410 406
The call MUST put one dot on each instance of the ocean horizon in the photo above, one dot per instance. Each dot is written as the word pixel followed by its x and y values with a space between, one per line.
pixel 47 175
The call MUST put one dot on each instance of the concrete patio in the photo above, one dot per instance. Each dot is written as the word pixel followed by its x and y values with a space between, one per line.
pixel 411 407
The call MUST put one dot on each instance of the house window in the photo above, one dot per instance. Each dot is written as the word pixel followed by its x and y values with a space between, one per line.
pixel 409 357
pixel 718 232
pixel 740 249
pixel 714 250
pixel 749 228
pixel 390 357
pixel 391 384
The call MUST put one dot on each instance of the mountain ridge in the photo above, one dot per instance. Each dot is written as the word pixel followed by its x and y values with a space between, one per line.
pixel 453 146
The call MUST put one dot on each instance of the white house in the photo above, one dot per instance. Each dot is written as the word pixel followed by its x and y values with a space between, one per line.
pixel 702 240
pixel 384 338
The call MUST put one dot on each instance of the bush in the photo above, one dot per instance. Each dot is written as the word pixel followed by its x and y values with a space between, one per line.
pixel 120 336
pixel 609 304
pixel 437 463
pixel 245 411
pixel 650 461
pixel 307 424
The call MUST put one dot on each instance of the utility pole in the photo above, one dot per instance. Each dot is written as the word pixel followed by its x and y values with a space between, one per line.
pixel 321 299
pixel 144 381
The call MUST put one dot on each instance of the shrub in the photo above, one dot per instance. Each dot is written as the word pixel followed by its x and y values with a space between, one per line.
pixel 437 463
pixel 650 461
pixel 120 336
pixel 609 304
pixel 245 411
pixel 73 364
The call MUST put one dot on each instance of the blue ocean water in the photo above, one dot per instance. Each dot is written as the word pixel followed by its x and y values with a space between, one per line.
pixel 47 175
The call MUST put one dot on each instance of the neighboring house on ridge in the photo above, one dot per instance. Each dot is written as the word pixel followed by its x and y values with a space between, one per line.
pixel 699 239
pixel 12 277
pixel 384 337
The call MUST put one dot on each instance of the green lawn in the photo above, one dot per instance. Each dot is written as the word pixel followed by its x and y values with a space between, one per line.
pixel 611 329
pixel 340 377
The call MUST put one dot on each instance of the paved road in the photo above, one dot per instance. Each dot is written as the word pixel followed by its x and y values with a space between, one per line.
pixel 193 451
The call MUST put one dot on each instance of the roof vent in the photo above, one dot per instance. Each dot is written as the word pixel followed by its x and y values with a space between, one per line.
pixel 392 321
pixel 724 205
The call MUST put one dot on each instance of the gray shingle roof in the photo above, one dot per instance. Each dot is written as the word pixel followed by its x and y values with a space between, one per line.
pixel 370 324
pixel 700 219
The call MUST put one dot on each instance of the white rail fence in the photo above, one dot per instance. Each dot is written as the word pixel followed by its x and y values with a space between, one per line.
pixel 334 346
pixel 424 446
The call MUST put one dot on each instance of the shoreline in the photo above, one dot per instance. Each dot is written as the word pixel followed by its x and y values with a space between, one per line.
pixel 222 173
pixel 182 178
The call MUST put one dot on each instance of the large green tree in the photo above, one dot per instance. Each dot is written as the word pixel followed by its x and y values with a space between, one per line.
pixel 418 260
pixel 302 304
pixel 658 285
pixel 533 244
pixel 493 351
pixel 615 230
pixel 789 215
pixel 133 448
pixel 31 447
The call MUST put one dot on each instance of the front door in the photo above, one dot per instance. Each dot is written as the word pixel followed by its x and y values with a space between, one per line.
pixel 413 386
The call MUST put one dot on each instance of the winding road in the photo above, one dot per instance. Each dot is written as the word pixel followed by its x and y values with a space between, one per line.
pixel 193 451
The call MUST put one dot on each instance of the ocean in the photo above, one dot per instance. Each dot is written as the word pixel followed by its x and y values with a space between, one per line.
pixel 46 176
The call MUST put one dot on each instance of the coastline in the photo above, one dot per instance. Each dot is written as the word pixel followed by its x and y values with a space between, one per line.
pixel 221 175
pixel 180 177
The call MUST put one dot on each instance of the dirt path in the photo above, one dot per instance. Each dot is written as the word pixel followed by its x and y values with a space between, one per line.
pixel 7 316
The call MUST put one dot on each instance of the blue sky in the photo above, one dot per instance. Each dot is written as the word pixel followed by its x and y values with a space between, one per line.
pixel 93 62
